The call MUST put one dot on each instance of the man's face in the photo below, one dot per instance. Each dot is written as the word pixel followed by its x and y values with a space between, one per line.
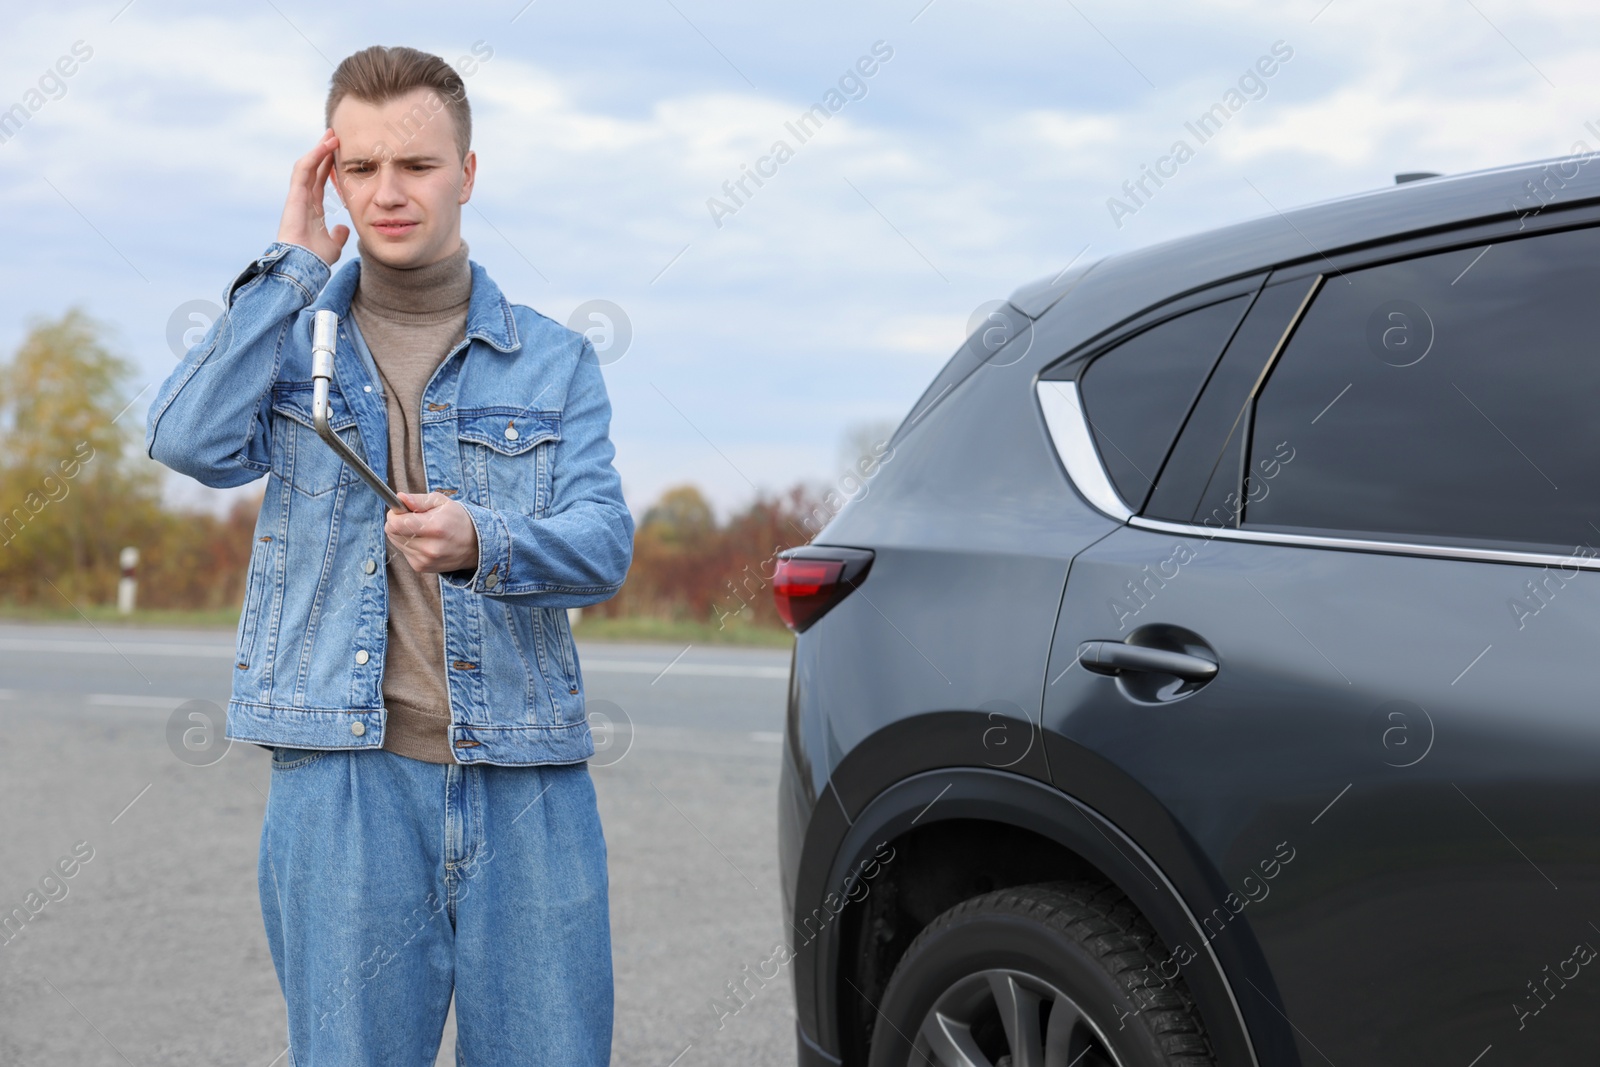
pixel 399 174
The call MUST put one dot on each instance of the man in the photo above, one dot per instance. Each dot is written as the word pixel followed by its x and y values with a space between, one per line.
pixel 431 824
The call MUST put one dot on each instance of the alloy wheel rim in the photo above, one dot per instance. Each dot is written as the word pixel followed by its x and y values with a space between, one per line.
pixel 1007 1018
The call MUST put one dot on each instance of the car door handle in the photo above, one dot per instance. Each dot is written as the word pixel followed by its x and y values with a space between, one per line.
pixel 1114 657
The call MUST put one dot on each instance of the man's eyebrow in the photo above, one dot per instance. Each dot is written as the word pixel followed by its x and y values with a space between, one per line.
pixel 349 160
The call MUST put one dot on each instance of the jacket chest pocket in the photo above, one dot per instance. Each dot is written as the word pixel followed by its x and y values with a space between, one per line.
pixel 300 458
pixel 506 456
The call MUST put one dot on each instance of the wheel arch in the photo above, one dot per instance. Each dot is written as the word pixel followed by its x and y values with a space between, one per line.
pixel 1007 807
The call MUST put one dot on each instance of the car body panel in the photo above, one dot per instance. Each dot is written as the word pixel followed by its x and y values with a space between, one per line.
pixel 1434 803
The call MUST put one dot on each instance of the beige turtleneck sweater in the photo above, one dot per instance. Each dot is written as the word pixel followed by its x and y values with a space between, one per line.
pixel 411 319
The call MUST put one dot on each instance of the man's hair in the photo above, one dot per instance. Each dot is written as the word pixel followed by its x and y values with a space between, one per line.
pixel 379 74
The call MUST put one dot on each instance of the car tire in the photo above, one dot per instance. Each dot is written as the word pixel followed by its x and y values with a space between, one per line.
pixel 1031 953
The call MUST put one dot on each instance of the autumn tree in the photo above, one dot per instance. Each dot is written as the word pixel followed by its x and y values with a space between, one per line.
pixel 76 486
pixel 688 566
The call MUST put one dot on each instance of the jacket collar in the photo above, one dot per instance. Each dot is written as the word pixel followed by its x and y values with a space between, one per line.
pixel 489 315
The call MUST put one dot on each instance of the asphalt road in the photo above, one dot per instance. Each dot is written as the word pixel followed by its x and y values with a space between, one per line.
pixel 156 953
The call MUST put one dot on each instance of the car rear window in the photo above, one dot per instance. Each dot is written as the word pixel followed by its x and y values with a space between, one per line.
pixel 1137 394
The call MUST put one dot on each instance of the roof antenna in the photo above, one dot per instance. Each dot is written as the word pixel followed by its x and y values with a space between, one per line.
pixel 1415 176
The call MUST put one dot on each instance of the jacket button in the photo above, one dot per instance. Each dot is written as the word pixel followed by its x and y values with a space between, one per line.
pixel 511 433
pixel 491 582
pixel 361 655
pixel 358 728
pixel 369 566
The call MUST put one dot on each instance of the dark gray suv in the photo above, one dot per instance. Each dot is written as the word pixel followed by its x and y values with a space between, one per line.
pixel 1197 678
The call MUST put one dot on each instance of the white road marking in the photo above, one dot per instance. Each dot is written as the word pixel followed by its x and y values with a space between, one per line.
pixel 118 700
pixel 697 670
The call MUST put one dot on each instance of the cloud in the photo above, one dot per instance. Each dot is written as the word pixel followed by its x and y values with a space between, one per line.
pixel 981 157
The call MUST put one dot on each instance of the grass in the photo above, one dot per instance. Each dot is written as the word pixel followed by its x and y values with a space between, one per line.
pixel 590 628
pixel 107 615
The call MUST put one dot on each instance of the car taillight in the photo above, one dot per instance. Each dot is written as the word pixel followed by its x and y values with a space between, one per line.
pixel 808 581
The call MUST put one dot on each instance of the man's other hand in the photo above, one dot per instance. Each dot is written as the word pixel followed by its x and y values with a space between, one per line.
pixel 437 536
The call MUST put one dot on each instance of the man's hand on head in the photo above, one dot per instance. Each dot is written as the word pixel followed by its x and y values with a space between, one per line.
pixel 303 221
pixel 436 537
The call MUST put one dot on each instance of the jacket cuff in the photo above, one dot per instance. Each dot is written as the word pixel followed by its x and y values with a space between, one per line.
pixel 494 553
pixel 296 262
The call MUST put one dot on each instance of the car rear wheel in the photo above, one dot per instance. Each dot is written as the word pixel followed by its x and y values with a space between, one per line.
pixel 1067 974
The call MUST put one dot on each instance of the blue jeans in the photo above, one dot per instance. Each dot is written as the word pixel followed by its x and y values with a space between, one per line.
pixel 386 882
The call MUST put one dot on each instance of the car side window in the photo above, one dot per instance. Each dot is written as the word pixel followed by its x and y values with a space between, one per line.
pixel 1452 397
pixel 1137 394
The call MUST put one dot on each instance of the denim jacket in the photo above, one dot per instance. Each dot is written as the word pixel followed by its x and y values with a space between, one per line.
pixel 514 426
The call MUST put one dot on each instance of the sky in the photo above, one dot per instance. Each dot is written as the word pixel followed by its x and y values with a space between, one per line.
pixel 989 146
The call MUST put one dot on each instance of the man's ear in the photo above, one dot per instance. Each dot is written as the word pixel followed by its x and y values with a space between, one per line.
pixel 469 170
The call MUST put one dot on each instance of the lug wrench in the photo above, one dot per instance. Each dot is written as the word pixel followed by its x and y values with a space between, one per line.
pixel 325 327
